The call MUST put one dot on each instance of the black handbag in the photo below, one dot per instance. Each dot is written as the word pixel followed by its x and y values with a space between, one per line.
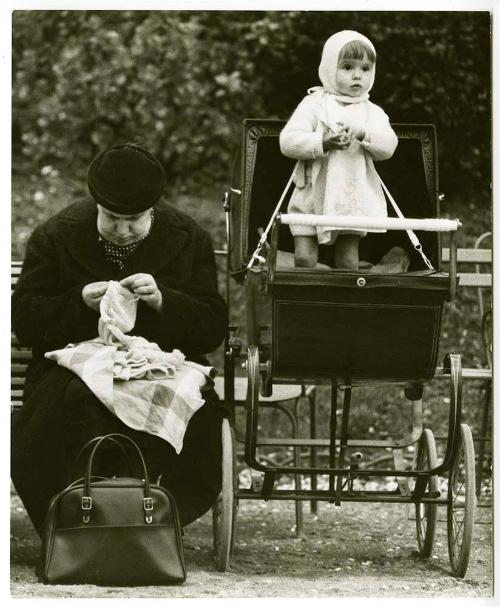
pixel 112 531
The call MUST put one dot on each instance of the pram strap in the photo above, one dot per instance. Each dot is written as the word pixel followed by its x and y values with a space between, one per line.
pixel 264 234
pixel 411 234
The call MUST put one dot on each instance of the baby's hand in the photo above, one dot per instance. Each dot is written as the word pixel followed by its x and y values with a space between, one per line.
pixel 338 138
pixel 357 132
pixel 337 129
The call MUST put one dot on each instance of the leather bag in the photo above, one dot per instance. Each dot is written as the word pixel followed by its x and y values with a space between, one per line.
pixel 112 531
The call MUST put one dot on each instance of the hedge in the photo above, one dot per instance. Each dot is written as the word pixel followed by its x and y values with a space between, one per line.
pixel 180 83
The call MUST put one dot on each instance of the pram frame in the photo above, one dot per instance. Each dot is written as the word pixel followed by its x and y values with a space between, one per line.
pixel 341 475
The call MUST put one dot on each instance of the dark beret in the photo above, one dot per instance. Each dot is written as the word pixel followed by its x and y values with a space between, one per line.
pixel 126 179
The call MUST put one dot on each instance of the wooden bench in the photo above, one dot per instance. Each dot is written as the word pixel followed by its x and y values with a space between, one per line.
pixel 478 279
pixel 20 356
pixel 475 266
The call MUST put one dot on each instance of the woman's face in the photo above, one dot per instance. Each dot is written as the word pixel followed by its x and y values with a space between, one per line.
pixel 354 76
pixel 122 229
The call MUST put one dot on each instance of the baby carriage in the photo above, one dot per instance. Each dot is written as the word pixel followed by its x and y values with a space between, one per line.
pixel 347 329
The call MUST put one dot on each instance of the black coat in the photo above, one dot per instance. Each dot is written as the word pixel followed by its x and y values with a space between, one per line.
pixel 62 256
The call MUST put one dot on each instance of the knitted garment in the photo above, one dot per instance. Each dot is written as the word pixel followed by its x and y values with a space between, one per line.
pixel 119 254
pixel 339 182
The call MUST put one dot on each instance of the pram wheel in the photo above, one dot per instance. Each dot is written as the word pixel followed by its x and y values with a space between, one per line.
pixel 225 508
pixel 461 503
pixel 426 514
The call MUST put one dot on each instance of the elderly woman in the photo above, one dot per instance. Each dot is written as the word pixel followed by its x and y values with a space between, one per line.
pixel 167 260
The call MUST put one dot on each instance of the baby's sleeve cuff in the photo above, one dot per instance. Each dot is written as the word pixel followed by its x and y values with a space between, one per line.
pixel 318 150
pixel 366 141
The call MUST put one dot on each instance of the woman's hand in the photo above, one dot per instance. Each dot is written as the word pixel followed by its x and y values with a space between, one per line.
pixel 93 293
pixel 145 286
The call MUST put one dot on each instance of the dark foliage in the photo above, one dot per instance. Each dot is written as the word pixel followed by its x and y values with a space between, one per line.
pixel 180 82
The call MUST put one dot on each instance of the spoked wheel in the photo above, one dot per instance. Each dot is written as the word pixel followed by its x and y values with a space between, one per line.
pixel 461 503
pixel 426 514
pixel 224 510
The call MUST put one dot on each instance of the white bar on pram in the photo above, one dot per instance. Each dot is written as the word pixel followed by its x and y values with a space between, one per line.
pixel 370 223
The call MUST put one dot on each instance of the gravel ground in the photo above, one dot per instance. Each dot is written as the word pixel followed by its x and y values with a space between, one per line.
pixel 357 550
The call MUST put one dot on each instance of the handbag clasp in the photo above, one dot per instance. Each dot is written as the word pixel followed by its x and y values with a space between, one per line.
pixel 148 509
pixel 86 507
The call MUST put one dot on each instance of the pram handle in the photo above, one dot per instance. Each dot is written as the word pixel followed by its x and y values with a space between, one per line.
pixel 371 223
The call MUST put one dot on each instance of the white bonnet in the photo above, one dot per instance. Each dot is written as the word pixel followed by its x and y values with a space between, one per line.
pixel 330 57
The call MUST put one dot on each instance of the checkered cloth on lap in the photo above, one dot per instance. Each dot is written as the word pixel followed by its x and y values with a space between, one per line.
pixel 147 389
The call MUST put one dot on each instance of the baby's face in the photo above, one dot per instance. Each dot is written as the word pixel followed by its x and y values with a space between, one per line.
pixel 354 76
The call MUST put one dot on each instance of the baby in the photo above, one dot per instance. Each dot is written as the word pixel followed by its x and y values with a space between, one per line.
pixel 335 133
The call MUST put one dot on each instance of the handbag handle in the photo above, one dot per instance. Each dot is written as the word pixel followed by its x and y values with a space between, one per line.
pixel 82 479
pixel 86 497
pixel 95 439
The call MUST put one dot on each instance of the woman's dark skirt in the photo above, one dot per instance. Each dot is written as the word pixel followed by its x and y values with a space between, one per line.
pixel 61 414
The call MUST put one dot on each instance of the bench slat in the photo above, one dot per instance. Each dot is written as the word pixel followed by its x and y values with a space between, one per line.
pixel 468 255
pixel 474 279
pixel 281 392
pixel 14 341
pixel 17 355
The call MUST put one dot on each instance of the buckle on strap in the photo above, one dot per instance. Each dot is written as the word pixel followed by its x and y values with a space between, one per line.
pixel 86 508
pixel 86 503
pixel 147 503
pixel 427 262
